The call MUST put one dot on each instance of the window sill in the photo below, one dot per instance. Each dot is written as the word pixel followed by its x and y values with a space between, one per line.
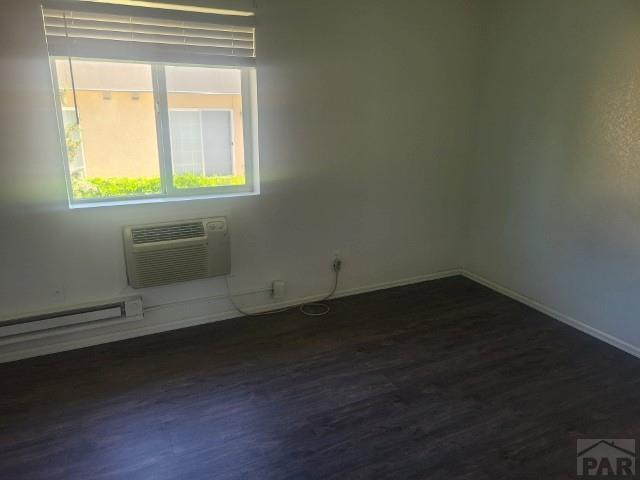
pixel 144 201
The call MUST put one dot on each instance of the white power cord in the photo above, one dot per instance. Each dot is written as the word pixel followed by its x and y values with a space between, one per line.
pixel 312 309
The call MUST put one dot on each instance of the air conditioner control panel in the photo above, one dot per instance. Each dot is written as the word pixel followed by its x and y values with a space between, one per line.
pixel 217 226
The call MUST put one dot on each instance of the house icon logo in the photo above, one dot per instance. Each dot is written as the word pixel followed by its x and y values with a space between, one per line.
pixel 606 458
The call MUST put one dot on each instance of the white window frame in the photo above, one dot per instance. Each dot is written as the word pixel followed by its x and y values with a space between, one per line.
pixel 168 191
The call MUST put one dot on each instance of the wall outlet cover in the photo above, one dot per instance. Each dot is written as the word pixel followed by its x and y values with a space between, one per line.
pixel 278 289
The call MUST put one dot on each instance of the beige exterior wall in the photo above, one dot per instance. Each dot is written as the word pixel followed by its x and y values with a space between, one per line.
pixel 119 129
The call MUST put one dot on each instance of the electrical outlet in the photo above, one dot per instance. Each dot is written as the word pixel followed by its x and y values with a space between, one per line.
pixel 336 265
pixel 278 289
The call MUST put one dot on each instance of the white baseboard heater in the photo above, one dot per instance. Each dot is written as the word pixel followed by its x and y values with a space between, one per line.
pixel 129 308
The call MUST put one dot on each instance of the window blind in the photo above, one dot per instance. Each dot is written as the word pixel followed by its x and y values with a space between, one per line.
pixel 119 32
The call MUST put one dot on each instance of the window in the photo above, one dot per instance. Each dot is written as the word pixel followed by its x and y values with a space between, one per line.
pixel 162 112
pixel 205 121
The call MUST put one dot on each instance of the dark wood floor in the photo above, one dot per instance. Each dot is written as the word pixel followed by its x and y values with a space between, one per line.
pixel 440 380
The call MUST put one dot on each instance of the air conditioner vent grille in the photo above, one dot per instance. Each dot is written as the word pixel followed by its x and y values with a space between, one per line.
pixel 163 233
pixel 171 265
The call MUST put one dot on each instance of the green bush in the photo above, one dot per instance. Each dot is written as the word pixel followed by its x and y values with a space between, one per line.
pixel 188 180
pixel 96 187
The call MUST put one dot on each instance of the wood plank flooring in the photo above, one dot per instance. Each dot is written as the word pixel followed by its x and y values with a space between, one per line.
pixel 439 380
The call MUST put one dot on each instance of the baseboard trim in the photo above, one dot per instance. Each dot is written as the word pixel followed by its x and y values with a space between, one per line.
pixel 583 327
pixel 33 348
pixel 398 283
pixel 81 337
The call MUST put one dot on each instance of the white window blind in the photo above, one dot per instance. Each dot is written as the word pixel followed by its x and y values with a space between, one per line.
pixel 119 32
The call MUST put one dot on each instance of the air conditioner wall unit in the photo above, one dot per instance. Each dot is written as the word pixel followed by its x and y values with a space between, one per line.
pixel 165 253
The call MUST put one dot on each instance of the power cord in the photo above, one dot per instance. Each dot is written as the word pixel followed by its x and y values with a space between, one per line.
pixel 311 309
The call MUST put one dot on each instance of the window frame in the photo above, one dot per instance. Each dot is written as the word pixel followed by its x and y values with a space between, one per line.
pixel 163 136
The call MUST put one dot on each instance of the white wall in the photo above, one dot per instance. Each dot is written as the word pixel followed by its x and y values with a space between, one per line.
pixel 364 111
pixel 554 182
pixel 378 140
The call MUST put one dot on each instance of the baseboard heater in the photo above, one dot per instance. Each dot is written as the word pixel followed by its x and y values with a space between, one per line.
pixel 126 308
